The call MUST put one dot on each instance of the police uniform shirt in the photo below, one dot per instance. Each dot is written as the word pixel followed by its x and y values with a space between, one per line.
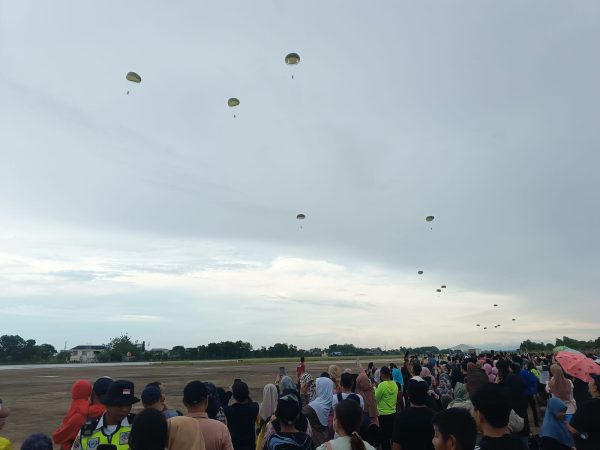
pixel 106 430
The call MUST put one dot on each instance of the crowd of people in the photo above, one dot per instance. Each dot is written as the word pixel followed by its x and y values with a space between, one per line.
pixel 425 403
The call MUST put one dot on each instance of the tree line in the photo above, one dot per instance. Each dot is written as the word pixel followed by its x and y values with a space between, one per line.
pixel 16 350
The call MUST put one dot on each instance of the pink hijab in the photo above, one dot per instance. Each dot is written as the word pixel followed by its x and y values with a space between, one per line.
pixel 489 371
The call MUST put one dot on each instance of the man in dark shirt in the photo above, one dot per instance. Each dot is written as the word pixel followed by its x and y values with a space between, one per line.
pixel 585 424
pixel 413 429
pixel 454 429
pixel 241 417
pixel 492 407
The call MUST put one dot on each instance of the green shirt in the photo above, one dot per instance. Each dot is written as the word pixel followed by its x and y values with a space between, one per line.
pixel 386 395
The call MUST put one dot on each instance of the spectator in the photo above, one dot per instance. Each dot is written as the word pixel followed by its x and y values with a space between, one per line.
pixel 149 430
pixel 214 409
pixel 335 373
pixel 560 387
pixel 241 417
pixel 115 424
pixel 317 411
pixel 266 410
pixel 585 423
pixel 287 436
pixel 365 389
pixel 491 404
pixel 386 395
pixel 454 429
pixel 346 383
pixel 79 411
pixel 531 389
pixel 185 434
pixel 554 432
pixel 307 388
pixel 215 433
pixel 151 398
pixel 38 441
pixel 300 369
pixel 346 422
pixel 413 428
pixel 163 400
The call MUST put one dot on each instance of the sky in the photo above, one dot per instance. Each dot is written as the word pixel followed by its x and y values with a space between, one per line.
pixel 162 215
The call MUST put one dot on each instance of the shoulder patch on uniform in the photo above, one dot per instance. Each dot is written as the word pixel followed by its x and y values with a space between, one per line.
pixel 93 443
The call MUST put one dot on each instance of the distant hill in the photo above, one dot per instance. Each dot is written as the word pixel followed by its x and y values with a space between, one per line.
pixel 463 348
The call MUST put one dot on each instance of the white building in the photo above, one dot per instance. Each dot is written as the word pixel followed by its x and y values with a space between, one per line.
pixel 86 353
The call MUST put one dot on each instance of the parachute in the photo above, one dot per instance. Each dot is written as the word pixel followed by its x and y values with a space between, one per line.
pixel 292 59
pixel 478 325
pixel 420 272
pixel 514 320
pixel 300 217
pixel 232 103
pixel 443 286
pixel 429 218
pixel 438 290
pixel 133 77
pixel 495 304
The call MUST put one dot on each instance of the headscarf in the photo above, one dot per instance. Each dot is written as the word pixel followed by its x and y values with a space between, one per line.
pixel 460 393
pixel 364 388
pixel 554 428
pixel 445 387
pixel 425 372
pixel 559 386
pixel 488 370
pixel 269 402
pixel 286 383
pixel 334 373
pixel 323 399
pixel 307 378
pixel 185 434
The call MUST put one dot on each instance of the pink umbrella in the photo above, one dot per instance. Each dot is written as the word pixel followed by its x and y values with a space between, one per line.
pixel 577 365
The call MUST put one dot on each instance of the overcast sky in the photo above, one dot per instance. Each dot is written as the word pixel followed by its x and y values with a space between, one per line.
pixel 160 214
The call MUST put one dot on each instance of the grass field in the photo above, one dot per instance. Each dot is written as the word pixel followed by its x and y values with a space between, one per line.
pixel 39 396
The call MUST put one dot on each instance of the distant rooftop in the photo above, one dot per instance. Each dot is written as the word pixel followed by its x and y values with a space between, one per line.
pixel 89 347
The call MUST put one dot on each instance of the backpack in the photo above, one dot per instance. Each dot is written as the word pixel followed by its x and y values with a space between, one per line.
pixel 368 431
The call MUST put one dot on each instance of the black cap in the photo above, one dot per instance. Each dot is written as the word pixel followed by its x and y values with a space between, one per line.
pixel 195 392
pixel 119 393
pixel 151 395
pixel 101 386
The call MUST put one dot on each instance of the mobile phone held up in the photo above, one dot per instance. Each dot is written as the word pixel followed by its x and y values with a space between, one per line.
pixel 282 371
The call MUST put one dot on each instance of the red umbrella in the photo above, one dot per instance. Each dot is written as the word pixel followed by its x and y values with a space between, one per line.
pixel 577 365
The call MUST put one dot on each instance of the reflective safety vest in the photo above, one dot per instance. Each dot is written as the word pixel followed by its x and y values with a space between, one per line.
pixel 92 434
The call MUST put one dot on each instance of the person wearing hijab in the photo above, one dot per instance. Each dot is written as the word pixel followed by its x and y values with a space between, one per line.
pixel 185 434
pixel 365 389
pixel 560 387
pixel 445 387
pixel 460 395
pixel 286 384
pixel 317 411
pixel 79 411
pixel 335 374
pixel 266 410
pixel 554 432
pixel 489 372
pixel 307 389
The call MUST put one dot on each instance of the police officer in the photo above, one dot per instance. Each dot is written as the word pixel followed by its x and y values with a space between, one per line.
pixel 115 425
